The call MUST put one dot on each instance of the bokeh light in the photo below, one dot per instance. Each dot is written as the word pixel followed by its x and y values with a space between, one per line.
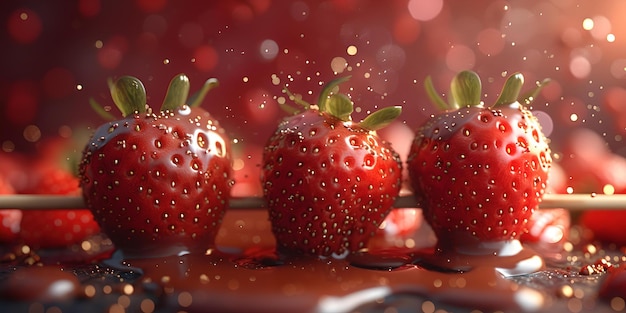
pixel 58 57
pixel 89 8
pixel 268 49
pixel 205 58
pixel 24 26
pixel 425 10
pixel 490 41
pixel 460 58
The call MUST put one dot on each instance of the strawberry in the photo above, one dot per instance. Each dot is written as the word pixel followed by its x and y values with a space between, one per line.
pixel 593 168
pixel 9 218
pixel 329 182
pixel 14 168
pixel 56 228
pixel 401 222
pixel 158 183
pixel 548 228
pixel 589 163
pixel 481 171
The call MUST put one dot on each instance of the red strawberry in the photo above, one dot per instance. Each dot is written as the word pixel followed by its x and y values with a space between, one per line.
pixel 481 171
pixel 56 228
pixel 585 158
pixel 158 182
pixel 593 168
pixel 14 169
pixel 9 218
pixel 401 222
pixel 548 228
pixel 329 182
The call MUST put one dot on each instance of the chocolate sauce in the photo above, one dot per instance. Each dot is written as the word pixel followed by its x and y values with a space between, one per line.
pixel 245 265
pixel 245 273
pixel 41 283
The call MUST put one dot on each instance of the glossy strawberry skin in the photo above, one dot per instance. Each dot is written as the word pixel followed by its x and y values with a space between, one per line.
pixel 159 183
pixel 60 227
pixel 481 173
pixel 329 184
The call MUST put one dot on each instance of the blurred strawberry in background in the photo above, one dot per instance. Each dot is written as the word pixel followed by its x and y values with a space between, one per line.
pixel 592 168
pixel 9 218
pixel 56 228
pixel 548 228
pixel 58 55
pixel 51 170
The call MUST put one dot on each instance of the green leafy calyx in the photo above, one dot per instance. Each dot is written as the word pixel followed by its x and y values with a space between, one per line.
pixel 177 93
pixel 129 95
pixel 466 90
pixel 340 106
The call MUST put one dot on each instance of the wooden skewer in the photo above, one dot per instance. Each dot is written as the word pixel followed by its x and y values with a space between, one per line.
pixel 574 202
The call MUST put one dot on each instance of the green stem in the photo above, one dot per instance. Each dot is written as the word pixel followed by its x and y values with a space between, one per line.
pixel 510 90
pixel 327 90
pixel 177 93
pixel 528 97
pixel 466 89
pixel 129 95
pixel 434 96
pixel 196 99
pixel 340 106
pixel 297 100
pixel 381 118
pixel 106 115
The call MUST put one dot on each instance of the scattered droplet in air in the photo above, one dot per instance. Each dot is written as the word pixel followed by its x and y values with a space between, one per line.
pixel 352 50
pixel 600 27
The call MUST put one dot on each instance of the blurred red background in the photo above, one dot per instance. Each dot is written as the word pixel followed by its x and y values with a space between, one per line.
pixel 58 54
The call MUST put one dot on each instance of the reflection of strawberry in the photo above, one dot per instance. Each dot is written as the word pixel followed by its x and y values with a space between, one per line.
pixel 329 182
pixel 585 157
pixel 158 182
pixel 593 168
pixel 9 218
pixel 56 228
pixel 608 225
pixel 482 171
pixel 548 228
pixel 401 222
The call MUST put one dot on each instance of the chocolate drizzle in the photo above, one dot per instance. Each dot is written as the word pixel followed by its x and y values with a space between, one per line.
pixel 246 274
